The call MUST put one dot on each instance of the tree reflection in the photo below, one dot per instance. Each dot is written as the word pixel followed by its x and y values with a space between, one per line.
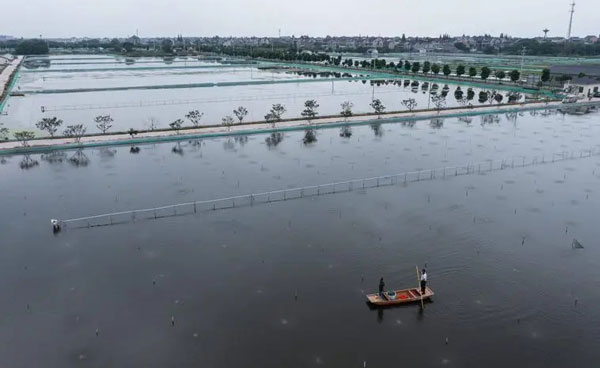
pixel 346 131
pixel 466 119
pixel 79 158
pixel 134 149
pixel 177 149
pixel 274 139
pixel 27 162
pixel 107 152
pixel 241 139
pixel 377 130
pixel 310 136
pixel 54 157
pixel 436 123
pixel 490 119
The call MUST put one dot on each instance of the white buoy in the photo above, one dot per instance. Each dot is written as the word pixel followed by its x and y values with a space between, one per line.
pixel 55 225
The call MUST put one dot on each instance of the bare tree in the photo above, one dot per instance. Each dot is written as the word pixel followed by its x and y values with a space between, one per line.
pixel 75 131
pixel 241 113
pixel 152 123
pixel 49 124
pixel 439 101
pixel 346 109
pixel 491 97
pixel 176 125
pixel 310 110
pixel 194 116
pixel 377 107
pixel 227 121
pixel 410 104
pixel 24 136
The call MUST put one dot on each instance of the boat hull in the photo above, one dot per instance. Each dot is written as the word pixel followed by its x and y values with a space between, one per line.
pixel 399 296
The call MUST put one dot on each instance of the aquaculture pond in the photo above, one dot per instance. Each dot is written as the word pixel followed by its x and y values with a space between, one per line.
pixel 283 284
pixel 150 90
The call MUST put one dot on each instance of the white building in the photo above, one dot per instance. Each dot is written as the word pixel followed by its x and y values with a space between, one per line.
pixel 584 86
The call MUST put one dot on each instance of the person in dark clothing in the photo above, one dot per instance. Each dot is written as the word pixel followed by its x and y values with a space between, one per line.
pixel 381 286
pixel 423 281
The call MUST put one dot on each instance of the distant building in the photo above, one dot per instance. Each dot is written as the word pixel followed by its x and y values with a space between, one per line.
pixel 576 70
pixel 583 86
pixel 372 52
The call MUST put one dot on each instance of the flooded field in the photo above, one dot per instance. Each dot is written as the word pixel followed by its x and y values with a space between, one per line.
pixel 283 284
pixel 160 91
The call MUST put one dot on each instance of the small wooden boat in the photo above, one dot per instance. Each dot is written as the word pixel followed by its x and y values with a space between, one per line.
pixel 399 296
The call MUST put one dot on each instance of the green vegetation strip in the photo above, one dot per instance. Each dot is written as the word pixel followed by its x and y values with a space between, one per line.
pixel 174 138
pixel 10 87
pixel 382 74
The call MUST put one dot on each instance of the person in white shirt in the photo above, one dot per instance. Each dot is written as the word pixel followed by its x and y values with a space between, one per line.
pixel 423 281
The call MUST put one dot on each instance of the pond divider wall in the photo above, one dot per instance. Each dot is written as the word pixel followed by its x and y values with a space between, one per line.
pixel 252 199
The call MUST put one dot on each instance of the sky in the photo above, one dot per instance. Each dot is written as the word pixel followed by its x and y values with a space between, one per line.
pixel 152 18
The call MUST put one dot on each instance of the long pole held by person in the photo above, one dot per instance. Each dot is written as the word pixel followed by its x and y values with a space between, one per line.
pixel 419 286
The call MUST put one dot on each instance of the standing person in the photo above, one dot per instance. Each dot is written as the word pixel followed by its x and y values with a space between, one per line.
pixel 423 281
pixel 381 286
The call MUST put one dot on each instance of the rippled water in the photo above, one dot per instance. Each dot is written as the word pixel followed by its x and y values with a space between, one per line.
pixel 283 284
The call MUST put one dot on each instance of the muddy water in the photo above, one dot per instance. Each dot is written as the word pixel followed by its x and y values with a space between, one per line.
pixel 284 284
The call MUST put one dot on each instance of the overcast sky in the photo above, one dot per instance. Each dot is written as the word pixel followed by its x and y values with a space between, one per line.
pixel 120 18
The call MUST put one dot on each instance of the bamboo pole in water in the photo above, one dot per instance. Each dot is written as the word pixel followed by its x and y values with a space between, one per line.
pixel 419 285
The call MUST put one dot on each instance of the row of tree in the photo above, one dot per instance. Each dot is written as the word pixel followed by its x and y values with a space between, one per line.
pixel 273 116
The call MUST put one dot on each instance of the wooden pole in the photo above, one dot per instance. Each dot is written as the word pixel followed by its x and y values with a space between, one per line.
pixel 419 286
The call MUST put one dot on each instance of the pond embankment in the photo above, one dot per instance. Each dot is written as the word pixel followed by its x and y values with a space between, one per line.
pixel 209 131
pixel 7 78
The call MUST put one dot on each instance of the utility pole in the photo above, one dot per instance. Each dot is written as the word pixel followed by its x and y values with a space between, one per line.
pixel 522 60
pixel 571 20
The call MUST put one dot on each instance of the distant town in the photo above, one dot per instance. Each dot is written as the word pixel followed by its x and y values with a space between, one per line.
pixel 372 45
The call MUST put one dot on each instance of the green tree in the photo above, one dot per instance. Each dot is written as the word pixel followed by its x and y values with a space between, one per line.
pixel 128 46
pixel 472 71
pixel 498 97
pixel 275 114
pixel 426 67
pixel 194 117
pixel 115 45
pixel 176 125
pixel 310 109
pixel 460 70
pixel 447 70
pixel 75 131
pixel 378 107
pixel 240 113
pixel 514 75
pixel 3 132
pixel 435 68
pixel 346 109
pixel 24 136
pixel 227 121
pixel 49 124
pixel 500 74
pixel 407 65
pixel 545 75
pixel 32 47
pixel 415 67
pixel 485 72
pixel 166 46
pixel 103 122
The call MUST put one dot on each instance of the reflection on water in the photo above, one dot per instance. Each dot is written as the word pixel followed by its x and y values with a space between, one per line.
pixel 498 248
